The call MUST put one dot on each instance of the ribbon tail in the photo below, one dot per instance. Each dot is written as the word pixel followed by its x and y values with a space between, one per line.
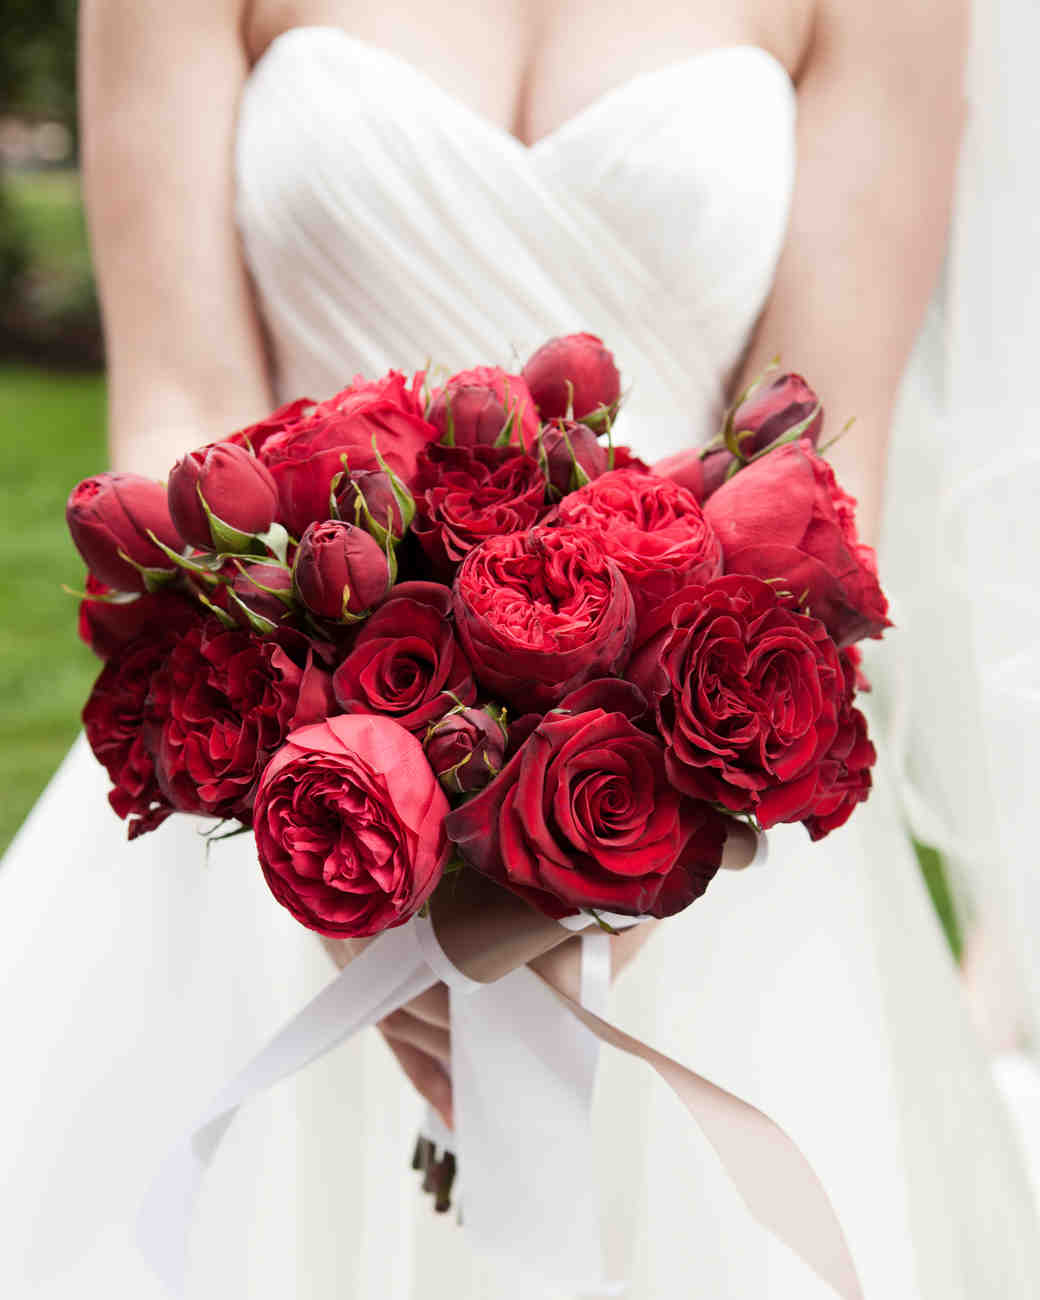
pixel 776 1181
pixel 390 972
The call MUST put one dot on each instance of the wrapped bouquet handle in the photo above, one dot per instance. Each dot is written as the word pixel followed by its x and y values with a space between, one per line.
pixel 535 1045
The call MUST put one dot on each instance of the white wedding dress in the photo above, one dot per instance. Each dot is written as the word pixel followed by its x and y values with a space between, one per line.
pixel 385 223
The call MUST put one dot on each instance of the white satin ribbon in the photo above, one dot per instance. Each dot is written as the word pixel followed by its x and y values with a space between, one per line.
pixel 523 1068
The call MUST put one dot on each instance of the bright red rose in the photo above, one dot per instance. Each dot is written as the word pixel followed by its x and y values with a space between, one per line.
pixel 112 515
pixel 233 486
pixel 349 824
pixel 463 495
pixel 264 591
pixel 747 694
pixel 339 571
pixel 540 613
pixel 845 779
pixel 466 749
pixel 222 704
pixel 584 816
pixel 406 661
pixel 115 717
pixel 254 438
pixel 652 528
pixel 574 374
pixel 306 456
pixel 474 407
pixel 571 454
pixel 786 519
pixel 107 626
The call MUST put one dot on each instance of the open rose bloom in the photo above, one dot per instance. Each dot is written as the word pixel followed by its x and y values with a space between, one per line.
pixel 429 625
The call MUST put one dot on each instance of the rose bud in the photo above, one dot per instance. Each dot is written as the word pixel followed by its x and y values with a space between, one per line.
pixel 574 377
pixel 571 456
pixel 466 749
pixel 110 517
pixel 340 572
pixel 261 592
pixel 774 409
pixel 221 497
pixel 373 500
pixel 482 407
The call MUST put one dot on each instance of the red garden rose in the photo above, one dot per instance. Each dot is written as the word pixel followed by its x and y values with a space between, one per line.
pixel 222 704
pixel 229 483
pixel 466 748
pixel 786 519
pixel 107 626
pixel 845 778
pixel 349 825
pixel 464 495
pixel 110 516
pixel 652 528
pixel 475 407
pixel 406 661
pixel 584 816
pixel 255 437
pixel 575 375
pixel 307 455
pixel 339 571
pixel 116 714
pixel 747 694
pixel 541 612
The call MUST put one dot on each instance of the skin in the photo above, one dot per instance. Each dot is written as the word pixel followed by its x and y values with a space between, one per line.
pixel 880 113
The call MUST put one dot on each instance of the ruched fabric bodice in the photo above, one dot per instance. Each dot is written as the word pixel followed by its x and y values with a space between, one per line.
pixel 386 223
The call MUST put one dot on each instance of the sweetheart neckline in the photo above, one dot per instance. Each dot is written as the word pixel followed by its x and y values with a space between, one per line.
pixel 602 101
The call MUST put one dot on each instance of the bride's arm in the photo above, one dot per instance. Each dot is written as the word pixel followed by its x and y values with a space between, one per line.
pixel 879 120
pixel 160 85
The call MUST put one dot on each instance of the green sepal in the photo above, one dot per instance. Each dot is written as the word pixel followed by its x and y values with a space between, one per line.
pixel 221 614
pixel 822 451
pixel 103 598
pixel 788 436
pixel 204 568
pixel 448 437
pixel 223 536
pixel 276 540
pixel 505 436
pixel 284 594
pixel 591 911
pixel 154 579
pixel 256 621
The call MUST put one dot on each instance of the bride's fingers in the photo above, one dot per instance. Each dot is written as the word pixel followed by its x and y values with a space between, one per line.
pixel 426 1076
pixel 403 1027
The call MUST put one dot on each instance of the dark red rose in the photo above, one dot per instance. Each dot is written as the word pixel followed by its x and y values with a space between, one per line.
pixel 466 748
pixel 406 661
pixel 254 438
pixel 576 369
pixel 464 495
pixel 116 714
pixel 845 778
pixel 371 499
pixel 571 455
pixel 107 626
pixel 111 515
pixel 785 519
pixel 652 528
pixel 584 816
pixel 773 410
pixel 480 406
pixel 339 571
pixel 349 824
pixel 747 694
pixel 541 612
pixel 233 486
pixel 306 456
pixel 222 704
pixel 264 591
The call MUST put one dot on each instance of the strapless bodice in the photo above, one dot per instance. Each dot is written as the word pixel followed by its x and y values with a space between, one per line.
pixel 386 223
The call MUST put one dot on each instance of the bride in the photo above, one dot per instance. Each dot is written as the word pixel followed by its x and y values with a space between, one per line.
pixel 284 194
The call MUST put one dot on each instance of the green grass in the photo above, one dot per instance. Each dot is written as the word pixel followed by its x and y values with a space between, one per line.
pixel 51 435
pixel 48 207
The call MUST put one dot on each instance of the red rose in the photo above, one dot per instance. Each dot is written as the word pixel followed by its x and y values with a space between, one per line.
pixel 222 704
pixel 773 410
pixel 339 571
pixel 464 495
pixel 406 661
pixel 624 458
pixel 308 455
pixel 111 516
pixel 845 779
pixel 585 816
pixel 107 626
pixel 784 518
pixel 349 824
pixel 221 496
pixel 478 407
pixel 264 592
pixel 254 438
pixel 116 714
pixel 698 472
pixel 574 375
pixel 371 499
pixel 652 528
pixel 571 455
pixel 541 612
pixel 466 749
pixel 747 693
